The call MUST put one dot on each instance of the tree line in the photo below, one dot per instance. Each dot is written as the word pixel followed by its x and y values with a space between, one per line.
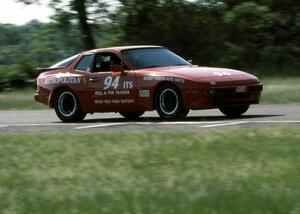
pixel 261 36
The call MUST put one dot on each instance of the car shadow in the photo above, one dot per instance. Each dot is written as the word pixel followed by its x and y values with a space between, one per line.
pixel 188 119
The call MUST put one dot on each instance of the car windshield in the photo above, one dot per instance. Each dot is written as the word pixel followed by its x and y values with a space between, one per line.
pixel 65 62
pixel 153 57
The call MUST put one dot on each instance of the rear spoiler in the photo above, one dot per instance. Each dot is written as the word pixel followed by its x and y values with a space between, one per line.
pixel 41 70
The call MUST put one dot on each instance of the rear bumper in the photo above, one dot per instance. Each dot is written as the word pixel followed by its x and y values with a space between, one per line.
pixel 37 98
pixel 41 99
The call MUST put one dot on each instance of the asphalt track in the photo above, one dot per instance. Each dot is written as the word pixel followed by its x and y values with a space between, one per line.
pixel 46 120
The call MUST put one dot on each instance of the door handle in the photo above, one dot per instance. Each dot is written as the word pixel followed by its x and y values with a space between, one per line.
pixel 94 79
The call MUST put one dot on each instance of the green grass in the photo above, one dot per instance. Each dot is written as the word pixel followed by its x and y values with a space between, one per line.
pixel 252 170
pixel 19 100
pixel 281 90
pixel 277 90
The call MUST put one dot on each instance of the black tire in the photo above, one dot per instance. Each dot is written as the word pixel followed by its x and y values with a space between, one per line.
pixel 67 107
pixel 168 103
pixel 132 115
pixel 234 111
pixel 183 113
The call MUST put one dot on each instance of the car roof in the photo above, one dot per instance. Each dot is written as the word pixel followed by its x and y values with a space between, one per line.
pixel 121 48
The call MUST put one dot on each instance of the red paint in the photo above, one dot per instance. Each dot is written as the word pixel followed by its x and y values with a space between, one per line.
pixel 193 82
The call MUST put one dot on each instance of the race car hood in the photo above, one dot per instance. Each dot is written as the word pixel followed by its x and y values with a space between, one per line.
pixel 196 73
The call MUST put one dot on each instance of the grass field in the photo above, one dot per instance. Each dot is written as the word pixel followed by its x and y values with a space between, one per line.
pixel 277 90
pixel 19 100
pixel 226 172
pixel 281 90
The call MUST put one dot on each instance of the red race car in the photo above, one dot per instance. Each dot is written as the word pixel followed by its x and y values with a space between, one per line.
pixel 134 79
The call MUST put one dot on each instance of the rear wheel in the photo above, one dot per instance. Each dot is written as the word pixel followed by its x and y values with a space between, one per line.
pixel 169 103
pixel 183 113
pixel 234 111
pixel 132 115
pixel 67 107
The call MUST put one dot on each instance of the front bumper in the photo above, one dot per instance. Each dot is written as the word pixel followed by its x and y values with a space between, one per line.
pixel 234 95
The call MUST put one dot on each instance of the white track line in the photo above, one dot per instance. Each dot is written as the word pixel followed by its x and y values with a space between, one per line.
pixel 113 124
pixel 223 124
pixel 100 125
pixel 203 124
pixel 187 122
pixel 275 121
pixel 42 124
pixel 210 124
pixel 142 123
pixel 249 121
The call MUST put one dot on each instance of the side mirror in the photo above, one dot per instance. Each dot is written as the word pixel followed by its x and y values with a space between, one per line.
pixel 190 61
pixel 117 68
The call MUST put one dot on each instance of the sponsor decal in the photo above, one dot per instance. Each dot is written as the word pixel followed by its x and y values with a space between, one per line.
pixel 118 92
pixel 128 101
pixel 62 80
pixel 128 85
pixel 158 78
pixel 144 93
pixel 222 73
pixel 180 80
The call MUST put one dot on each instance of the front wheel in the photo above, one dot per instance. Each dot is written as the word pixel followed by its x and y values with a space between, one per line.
pixel 169 103
pixel 234 111
pixel 67 107
pixel 132 115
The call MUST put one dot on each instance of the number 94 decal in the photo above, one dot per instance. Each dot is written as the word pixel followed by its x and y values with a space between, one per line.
pixel 110 82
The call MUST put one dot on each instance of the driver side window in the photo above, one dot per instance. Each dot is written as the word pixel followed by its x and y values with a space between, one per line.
pixel 103 62
pixel 85 63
